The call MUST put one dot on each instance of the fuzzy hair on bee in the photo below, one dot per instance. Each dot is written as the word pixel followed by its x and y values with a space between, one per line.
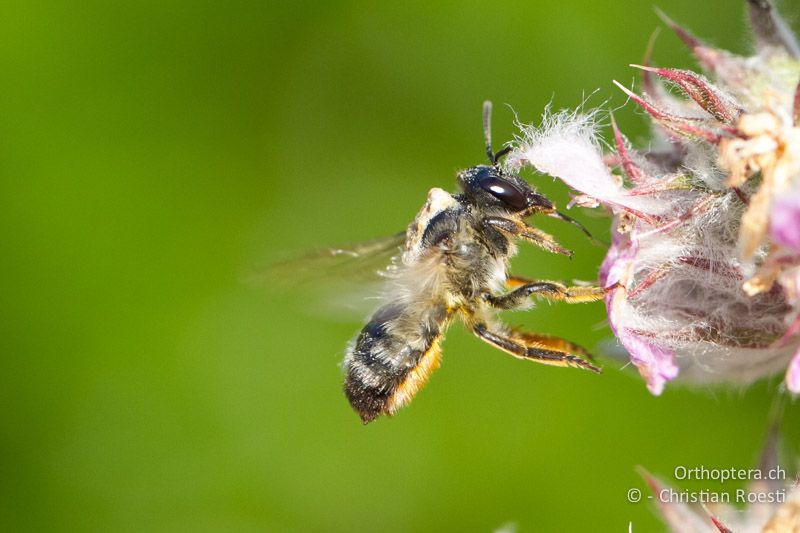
pixel 455 264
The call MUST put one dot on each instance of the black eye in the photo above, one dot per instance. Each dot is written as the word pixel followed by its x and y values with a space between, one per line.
pixel 505 192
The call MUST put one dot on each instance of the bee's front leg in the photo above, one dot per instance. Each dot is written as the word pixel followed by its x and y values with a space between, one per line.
pixel 520 229
pixel 518 297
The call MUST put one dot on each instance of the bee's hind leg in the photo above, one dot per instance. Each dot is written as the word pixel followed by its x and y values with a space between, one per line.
pixel 518 297
pixel 530 346
pixel 549 342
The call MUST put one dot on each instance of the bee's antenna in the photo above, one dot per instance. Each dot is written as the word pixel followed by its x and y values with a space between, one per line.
pixel 487 131
pixel 565 218
pixel 501 153
pixel 487 134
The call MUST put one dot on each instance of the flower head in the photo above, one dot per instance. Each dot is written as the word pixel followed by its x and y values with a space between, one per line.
pixel 706 231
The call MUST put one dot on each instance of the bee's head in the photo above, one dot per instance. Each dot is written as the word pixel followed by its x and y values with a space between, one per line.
pixel 489 186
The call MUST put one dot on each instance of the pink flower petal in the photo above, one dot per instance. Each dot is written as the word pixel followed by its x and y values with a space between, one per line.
pixel 793 374
pixel 617 259
pixel 785 222
pixel 656 364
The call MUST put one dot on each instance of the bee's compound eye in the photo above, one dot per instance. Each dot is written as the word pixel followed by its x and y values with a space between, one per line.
pixel 505 191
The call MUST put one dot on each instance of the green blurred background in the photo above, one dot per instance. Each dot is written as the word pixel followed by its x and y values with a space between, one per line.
pixel 153 152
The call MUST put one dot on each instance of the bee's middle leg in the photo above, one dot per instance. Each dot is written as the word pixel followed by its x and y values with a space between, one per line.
pixel 551 290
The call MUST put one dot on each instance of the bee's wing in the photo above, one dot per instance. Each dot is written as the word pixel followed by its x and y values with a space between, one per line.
pixel 344 277
pixel 359 261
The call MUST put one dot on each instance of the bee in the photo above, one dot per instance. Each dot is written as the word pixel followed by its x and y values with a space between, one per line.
pixel 454 263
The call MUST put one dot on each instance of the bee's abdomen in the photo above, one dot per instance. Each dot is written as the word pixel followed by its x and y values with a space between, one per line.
pixel 391 360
